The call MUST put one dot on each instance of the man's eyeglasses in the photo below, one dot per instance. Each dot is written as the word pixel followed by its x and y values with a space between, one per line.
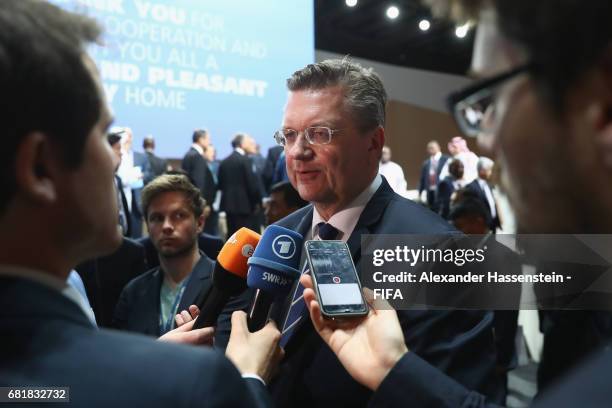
pixel 315 135
pixel 473 108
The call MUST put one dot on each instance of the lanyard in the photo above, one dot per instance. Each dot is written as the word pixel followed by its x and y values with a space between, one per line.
pixel 166 327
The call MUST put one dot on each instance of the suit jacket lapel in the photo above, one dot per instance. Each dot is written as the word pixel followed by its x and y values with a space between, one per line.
pixel 305 223
pixel 441 164
pixel 198 281
pixel 481 192
pixel 371 214
pixel 149 300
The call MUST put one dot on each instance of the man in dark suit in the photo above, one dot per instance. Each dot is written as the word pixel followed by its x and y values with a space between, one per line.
pixel 125 219
pixel 57 209
pixel 483 190
pixel 196 166
pixel 157 165
pixel 430 173
pixel 240 190
pixel 333 149
pixel 471 216
pixel 448 186
pixel 105 277
pixel 259 164
pixel 174 214
pixel 134 171
pixel 209 244
pixel 280 172
pixel 555 155
pixel 271 160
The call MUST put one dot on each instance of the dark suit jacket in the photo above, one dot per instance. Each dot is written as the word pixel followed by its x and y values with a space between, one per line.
pixel 200 175
pixel 415 382
pixel 280 172
pixel 443 196
pixel 458 342
pixel 48 341
pixel 271 159
pixel 424 179
pixel 474 186
pixel 570 336
pixel 124 204
pixel 139 307
pixel 259 165
pixel 105 278
pixel 140 160
pixel 238 184
pixel 209 244
pixel 157 166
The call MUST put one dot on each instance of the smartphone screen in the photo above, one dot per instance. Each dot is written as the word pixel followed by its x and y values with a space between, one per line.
pixel 335 277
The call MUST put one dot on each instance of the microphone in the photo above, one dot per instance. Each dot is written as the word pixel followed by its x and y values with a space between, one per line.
pixel 273 269
pixel 228 277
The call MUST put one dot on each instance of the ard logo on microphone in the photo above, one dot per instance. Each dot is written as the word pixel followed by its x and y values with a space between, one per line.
pixel 284 246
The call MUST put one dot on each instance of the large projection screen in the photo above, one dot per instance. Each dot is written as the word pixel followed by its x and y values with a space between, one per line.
pixel 169 67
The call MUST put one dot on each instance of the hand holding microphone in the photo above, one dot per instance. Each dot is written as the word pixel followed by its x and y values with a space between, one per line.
pixel 229 276
pixel 254 353
pixel 273 269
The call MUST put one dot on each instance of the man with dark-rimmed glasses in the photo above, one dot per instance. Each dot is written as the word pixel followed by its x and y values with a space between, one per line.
pixel 543 109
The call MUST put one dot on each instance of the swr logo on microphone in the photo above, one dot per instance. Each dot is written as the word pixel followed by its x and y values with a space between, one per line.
pixel 276 279
pixel 284 246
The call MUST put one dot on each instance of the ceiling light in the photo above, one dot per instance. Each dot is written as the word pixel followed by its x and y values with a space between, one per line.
pixel 351 3
pixel 462 31
pixel 392 12
pixel 424 25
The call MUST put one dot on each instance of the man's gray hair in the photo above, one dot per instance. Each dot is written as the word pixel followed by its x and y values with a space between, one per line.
pixel 365 95
pixel 484 163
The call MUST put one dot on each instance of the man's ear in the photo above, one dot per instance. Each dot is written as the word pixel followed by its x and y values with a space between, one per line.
pixel 35 165
pixel 201 220
pixel 378 140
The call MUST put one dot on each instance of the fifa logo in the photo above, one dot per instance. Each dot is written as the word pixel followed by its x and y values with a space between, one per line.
pixel 284 246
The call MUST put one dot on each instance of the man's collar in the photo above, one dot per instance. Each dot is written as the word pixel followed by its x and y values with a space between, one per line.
pixel 198 148
pixel 346 219
pixel 240 150
pixel 35 275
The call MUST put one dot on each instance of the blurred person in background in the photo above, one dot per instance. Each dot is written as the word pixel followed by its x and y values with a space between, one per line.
pixel 451 183
pixel 482 188
pixel 239 186
pixel 157 165
pixel 459 149
pixel 134 171
pixel 430 174
pixel 196 166
pixel 392 171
